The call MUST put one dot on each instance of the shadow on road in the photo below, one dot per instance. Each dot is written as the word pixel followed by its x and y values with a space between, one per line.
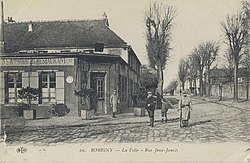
pixel 199 123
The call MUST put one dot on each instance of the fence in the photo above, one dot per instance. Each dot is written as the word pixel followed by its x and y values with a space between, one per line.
pixel 228 90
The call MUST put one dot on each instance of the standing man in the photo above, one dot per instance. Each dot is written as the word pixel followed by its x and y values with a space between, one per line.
pixel 114 102
pixel 185 108
pixel 150 106
pixel 134 100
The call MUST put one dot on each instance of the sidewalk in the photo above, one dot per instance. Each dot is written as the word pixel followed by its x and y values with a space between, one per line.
pixel 242 104
pixel 20 124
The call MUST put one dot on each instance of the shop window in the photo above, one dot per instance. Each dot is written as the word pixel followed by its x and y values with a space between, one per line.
pixel 13 83
pixel 47 83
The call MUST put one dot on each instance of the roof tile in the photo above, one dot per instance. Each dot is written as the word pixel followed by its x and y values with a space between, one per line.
pixel 55 34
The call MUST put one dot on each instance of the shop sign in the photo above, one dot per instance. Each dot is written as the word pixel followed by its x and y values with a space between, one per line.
pixel 37 62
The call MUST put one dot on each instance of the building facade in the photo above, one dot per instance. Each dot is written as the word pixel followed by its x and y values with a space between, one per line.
pixel 61 57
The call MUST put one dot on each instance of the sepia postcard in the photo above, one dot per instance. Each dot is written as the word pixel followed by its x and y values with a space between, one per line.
pixel 164 81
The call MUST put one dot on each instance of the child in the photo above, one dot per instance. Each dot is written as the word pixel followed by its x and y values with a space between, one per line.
pixel 165 106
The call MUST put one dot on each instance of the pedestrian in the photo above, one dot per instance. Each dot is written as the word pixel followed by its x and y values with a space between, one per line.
pixel 164 110
pixel 150 106
pixel 185 106
pixel 158 100
pixel 134 100
pixel 114 101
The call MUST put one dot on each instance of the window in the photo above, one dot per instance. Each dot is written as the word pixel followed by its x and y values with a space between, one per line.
pixel 47 83
pixel 98 83
pixel 13 82
pixel 100 88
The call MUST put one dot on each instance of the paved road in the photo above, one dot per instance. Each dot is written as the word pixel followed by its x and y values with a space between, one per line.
pixel 210 122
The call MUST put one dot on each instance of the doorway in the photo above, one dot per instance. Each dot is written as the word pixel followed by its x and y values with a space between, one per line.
pixel 97 80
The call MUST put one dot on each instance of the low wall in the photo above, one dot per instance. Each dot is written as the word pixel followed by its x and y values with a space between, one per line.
pixel 228 90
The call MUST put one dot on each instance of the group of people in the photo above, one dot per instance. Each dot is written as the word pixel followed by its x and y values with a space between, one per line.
pixel 159 102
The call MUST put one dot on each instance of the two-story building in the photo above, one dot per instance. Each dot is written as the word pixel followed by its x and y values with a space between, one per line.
pixel 61 57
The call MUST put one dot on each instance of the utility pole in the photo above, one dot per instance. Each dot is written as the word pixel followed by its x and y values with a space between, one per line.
pixel 1 54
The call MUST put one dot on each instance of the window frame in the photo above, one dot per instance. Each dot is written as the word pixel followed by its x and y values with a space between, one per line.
pixel 46 84
pixel 15 87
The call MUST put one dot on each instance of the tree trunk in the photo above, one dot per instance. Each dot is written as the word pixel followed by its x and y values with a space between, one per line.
pixel 183 85
pixel 160 81
pixel 208 81
pixel 200 84
pixel 190 85
pixel 248 79
pixel 195 89
pixel 236 81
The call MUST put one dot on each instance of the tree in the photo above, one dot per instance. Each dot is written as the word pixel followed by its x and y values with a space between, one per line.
pixel 246 57
pixel 182 72
pixel 159 22
pixel 171 86
pixel 148 78
pixel 228 65
pixel 235 30
pixel 199 59
pixel 210 50
pixel 192 71
pixel 246 63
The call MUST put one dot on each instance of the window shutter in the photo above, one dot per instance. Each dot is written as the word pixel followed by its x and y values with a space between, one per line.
pixel 34 79
pixel 60 87
pixel 34 83
pixel 25 79
pixel 2 94
pixel 40 87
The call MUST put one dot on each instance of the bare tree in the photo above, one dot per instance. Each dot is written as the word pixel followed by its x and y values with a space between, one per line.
pixel 200 61
pixel 182 72
pixel 210 50
pixel 246 63
pixel 235 29
pixel 159 22
pixel 192 71
pixel 246 57
pixel 228 65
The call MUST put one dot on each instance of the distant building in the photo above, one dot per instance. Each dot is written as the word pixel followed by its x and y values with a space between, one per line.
pixel 224 76
pixel 223 79
pixel 59 57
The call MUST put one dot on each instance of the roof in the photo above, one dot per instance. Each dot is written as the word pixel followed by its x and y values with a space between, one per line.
pixel 242 72
pixel 56 34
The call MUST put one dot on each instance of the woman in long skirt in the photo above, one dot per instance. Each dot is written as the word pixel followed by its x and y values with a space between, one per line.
pixel 185 108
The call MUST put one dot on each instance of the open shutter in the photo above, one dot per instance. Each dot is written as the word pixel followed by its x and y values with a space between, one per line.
pixel 2 94
pixel 34 83
pixel 34 79
pixel 25 79
pixel 40 87
pixel 60 87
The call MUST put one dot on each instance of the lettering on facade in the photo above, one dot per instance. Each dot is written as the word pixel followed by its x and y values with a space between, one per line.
pixel 37 62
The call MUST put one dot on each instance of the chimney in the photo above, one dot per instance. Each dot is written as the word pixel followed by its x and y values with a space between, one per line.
pixel 2 30
pixel 105 16
pixel 30 27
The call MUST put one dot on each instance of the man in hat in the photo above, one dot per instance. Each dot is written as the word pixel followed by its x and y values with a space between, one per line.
pixel 150 106
pixel 114 102
pixel 185 108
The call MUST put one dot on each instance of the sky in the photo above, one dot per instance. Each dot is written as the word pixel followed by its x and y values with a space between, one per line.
pixel 196 21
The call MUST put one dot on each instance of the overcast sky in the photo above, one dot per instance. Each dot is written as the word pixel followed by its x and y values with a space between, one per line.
pixel 196 20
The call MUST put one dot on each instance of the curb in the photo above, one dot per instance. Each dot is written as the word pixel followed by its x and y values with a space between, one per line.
pixel 79 125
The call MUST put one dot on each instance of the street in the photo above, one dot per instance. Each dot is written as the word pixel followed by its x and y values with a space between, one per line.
pixel 210 122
